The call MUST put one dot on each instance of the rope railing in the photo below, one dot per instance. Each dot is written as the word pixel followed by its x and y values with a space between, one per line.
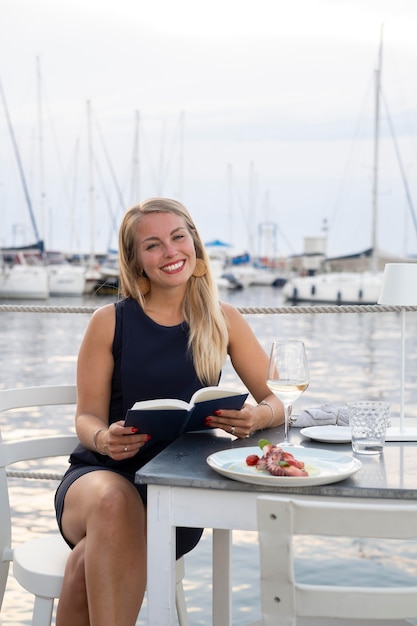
pixel 293 309
pixel 353 308
pixel 36 475
pixel 33 308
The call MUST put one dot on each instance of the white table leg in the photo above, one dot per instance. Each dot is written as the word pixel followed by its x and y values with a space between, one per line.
pixel 161 566
pixel 222 598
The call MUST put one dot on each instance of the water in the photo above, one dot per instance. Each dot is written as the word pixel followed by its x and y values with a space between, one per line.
pixel 367 446
pixel 351 357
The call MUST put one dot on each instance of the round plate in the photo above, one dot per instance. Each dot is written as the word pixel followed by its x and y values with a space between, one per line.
pixel 324 466
pixel 328 434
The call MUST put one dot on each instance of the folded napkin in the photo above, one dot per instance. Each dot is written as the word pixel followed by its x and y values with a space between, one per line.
pixel 322 416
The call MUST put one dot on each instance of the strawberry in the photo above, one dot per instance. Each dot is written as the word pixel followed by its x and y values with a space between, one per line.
pixel 252 459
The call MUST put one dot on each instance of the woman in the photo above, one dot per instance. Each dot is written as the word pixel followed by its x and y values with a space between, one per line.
pixel 167 337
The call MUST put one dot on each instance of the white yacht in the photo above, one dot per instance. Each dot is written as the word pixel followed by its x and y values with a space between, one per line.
pixel 22 276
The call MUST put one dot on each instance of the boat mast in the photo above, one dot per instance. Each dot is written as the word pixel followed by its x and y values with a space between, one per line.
pixel 91 183
pixel 20 166
pixel 230 201
pixel 135 178
pixel 181 157
pixel 376 156
pixel 41 162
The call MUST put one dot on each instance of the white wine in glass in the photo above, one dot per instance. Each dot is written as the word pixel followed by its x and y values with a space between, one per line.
pixel 288 375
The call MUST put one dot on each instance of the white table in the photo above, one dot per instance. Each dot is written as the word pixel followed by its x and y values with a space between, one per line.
pixel 184 491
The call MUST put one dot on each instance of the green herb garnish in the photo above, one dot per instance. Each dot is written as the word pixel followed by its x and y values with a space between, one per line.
pixel 263 443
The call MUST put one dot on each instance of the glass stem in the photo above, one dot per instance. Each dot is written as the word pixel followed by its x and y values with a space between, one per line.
pixel 287 413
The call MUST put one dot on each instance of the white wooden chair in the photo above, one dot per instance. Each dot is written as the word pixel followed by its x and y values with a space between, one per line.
pixel 286 602
pixel 38 565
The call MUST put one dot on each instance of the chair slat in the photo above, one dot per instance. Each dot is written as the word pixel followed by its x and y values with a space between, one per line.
pixel 287 602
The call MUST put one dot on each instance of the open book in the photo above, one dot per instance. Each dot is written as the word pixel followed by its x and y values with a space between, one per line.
pixel 168 418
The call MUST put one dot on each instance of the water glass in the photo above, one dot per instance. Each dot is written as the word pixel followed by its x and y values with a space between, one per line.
pixel 368 421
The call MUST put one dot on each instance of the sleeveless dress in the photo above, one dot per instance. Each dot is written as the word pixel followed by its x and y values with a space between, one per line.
pixel 150 361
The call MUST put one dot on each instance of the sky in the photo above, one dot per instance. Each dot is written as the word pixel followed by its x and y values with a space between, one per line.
pixel 258 116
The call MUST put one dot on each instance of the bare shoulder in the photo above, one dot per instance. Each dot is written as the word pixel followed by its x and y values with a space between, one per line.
pixel 233 316
pixel 102 321
pixel 243 347
pixel 104 313
pixel 230 311
pixel 238 327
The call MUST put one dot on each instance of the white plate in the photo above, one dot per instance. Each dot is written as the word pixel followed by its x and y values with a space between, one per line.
pixel 328 434
pixel 324 466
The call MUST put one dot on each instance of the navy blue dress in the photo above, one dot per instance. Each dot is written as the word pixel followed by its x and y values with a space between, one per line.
pixel 150 361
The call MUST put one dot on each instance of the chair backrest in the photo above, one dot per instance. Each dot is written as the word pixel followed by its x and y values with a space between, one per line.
pixel 284 599
pixel 27 449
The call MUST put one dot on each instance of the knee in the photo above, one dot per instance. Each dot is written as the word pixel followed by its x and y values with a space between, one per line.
pixel 114 503
pixel 117 511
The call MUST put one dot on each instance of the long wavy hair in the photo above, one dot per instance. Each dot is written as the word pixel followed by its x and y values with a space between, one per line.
pixel 208 335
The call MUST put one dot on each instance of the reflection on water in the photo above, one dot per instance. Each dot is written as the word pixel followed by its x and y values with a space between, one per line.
pixel 351 356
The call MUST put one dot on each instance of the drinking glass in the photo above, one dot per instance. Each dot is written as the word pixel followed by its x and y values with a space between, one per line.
pixel 288 375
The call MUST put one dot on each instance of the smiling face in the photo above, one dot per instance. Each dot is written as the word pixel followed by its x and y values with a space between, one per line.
pixel 165 249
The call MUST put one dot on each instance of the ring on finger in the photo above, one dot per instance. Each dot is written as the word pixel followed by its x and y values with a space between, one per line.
pixel 232 431
pixel 125 449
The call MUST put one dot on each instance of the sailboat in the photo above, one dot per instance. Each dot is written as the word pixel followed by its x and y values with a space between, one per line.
pixel 65 279
pixel 23 275
pixel 360 287
pixel 29 272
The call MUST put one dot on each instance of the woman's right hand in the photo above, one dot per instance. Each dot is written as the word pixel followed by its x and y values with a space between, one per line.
pixel 120 442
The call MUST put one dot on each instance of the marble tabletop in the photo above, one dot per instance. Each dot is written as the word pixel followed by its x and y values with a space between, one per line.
pixel 393 474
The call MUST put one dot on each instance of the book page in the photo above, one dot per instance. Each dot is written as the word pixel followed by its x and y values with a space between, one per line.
pixel 168 404
pixel 210 393
pixel 201 395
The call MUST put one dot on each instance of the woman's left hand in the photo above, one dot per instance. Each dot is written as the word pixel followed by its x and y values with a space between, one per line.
pixel 241 423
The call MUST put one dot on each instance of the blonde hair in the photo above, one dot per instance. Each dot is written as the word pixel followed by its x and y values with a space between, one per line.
pixel 208 335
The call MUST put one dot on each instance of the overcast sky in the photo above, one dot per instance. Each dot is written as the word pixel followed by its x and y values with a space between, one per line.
pixel 251 113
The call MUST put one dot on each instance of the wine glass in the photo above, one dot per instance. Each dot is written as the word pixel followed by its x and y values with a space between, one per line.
pixel 288 375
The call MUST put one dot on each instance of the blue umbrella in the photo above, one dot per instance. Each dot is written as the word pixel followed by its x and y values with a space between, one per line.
pixel 217 243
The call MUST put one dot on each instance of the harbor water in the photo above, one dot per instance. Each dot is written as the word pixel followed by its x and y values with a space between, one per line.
pixel 352 356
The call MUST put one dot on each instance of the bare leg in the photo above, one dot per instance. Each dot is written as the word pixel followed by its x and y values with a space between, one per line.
pixel 72 607
pixel 104 512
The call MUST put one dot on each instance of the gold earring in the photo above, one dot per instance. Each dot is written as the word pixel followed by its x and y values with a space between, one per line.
pixel 144 285
pixel 200 268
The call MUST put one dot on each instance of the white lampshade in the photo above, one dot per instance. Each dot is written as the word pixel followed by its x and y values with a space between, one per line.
pixel 399 285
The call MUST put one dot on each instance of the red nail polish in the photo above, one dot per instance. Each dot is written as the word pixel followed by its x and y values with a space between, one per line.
pixel 207 420
pixel 148 437
pixel 134 429
pixel 217 412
